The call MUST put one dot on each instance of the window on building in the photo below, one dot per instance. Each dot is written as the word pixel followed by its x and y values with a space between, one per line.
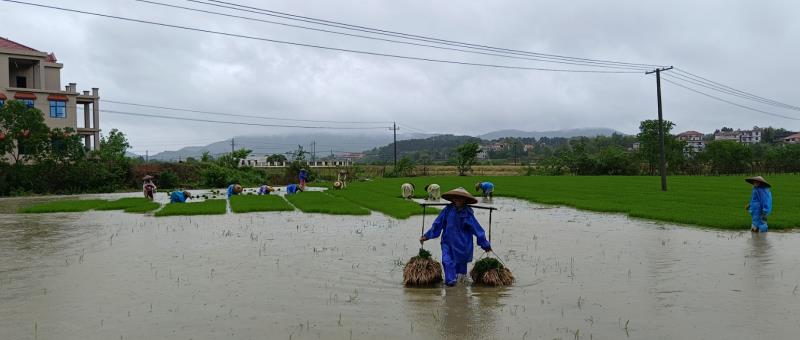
pixel 58 109
pixel 28 102
pixel 22 82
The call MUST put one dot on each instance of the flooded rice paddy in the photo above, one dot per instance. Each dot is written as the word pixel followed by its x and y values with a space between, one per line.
pixel 289 275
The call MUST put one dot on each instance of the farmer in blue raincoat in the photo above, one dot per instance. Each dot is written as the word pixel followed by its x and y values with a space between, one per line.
pixel 457 224
pixel 179 196
pixel 303 177
pixel 292 189
pixel 760 205
pixel 234 189
pixel 485 188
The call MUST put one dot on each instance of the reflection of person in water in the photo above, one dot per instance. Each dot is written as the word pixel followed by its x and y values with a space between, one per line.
pixel 464 312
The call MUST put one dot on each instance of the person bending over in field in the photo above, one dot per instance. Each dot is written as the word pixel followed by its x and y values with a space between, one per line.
pixel 457 224
pixel 265 189
pixel 434 192
pixel 149 188
pixel 485 188
pixel 407 190
pixel 292 189
pixel 760 204
pixel 179 196
pixel 234 189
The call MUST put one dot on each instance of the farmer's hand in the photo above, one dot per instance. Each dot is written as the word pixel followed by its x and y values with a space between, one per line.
pixel 422 239
pixel 488 249
pixel 747 206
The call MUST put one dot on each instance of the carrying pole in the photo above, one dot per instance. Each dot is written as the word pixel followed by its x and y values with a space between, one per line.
pixel 422 229
pixel 490 226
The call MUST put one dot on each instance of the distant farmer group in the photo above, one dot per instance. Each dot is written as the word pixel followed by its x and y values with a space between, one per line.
pixel 180 196
pixel 486 189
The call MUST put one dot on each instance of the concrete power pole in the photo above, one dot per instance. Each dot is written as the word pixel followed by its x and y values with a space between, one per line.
pixel 662 157
pixel 233 145
pixel 394 130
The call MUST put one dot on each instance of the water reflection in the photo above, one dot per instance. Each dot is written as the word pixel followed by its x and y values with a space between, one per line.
pixel 461 312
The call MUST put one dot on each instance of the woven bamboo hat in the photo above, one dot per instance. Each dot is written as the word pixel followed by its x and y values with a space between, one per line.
pixel 147 177
pixel 758 179
pixel 462 193
pixel 237 188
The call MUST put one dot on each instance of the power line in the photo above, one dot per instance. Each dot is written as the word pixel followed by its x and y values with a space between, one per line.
pixel 730 102
pixel 242 115
pixel 410 36
pixel 376 38
pixel 725 88
pixel 240 123
pixel 442 61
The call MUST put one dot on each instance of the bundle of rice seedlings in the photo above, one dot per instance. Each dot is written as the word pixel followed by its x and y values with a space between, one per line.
pixel 422 270
pixel 491 272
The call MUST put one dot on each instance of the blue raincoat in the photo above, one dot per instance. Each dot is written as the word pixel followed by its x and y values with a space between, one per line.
pixel 177 197
pixel 760 207
pixel 457 226
pixel 487 187
pixel 303 176
pixel 231 192
pixel 292 188
pixel 264 190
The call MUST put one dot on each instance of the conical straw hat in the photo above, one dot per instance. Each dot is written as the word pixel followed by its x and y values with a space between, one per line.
pixel 147 177
pixel 758 179
pixel 460 192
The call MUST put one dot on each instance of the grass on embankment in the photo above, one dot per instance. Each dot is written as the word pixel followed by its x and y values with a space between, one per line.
pixel 253 203
pixel 699 200
pixel 320 202
pixel 63 206
pixel 130 204
pixel 209 207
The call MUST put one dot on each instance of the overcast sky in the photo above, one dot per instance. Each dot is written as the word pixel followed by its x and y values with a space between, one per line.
pixel 749 45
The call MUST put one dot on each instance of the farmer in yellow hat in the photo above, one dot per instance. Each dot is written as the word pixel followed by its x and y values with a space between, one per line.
pixel 760 204
pixel 457 224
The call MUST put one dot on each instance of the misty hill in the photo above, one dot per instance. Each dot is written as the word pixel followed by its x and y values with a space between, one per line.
pixel 436 148
pixel 267 145
pixel 584 132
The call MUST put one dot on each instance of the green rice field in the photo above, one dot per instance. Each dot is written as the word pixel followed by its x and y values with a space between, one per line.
pixel 320 202
pixel 130 204
pixel 209 207
pixel 254 203
pixel 716 202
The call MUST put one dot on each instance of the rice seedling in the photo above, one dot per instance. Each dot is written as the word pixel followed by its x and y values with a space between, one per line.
pixel 491 272
pixel 130 204
pixel 320 202
pixel 210 207
pixel 63 206
pixel 422 270
pixel 245 203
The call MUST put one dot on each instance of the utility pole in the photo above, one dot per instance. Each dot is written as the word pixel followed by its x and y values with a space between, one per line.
pixel 662 157
pixel 233 144
pixel 313 151
pixel 515 153
pixel 394 129
pixel 147 156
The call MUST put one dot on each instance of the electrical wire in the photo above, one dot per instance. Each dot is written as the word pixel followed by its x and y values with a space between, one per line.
pixel 239 123
pixel 725 88
pixel 641 68
pixel 441 61
pixel 242 115
pixel 330 23
pixel 728 101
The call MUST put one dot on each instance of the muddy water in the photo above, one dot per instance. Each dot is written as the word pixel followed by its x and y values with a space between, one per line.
pixel 111 275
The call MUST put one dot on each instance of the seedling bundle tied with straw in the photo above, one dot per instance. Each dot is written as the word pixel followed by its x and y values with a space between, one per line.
pixel 423 270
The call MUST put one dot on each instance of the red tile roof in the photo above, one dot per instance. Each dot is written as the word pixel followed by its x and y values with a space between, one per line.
pixel 5 43
pixel 3 97
pixel 24 95
pixel 688 133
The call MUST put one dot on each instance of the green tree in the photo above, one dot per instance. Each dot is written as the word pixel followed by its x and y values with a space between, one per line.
pixel 728 157
pixel 404 168
pixel 467 155
pixel 206 157
pixel 232 159
pixel 649 148
pixel 65 147
pixel 113 146
pixel 23 131
pixel 276 158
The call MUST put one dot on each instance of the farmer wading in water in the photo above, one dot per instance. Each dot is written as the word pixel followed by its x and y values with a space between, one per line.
pixel 457 224
pixel 760 203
